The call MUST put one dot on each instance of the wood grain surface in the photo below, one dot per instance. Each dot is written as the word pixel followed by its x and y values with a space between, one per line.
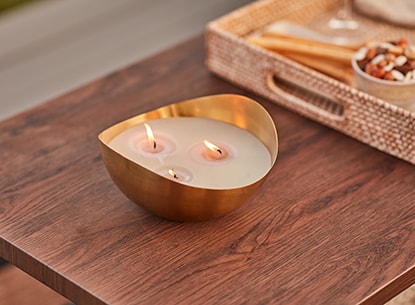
pixel 333 224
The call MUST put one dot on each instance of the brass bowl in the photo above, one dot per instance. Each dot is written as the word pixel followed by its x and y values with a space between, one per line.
pixel 178 201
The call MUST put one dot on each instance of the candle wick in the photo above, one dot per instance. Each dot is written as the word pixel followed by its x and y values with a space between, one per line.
pixel 154 145
pixel 219 151
pixel 173 174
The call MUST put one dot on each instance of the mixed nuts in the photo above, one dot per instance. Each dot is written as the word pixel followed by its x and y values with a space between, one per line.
pixel 394 61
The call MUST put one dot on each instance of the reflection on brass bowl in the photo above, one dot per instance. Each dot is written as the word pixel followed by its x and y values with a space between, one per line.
pixel 178 201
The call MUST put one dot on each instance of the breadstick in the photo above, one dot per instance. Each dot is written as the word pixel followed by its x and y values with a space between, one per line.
pixel 299 46
pixel 336 70
pixel 276 34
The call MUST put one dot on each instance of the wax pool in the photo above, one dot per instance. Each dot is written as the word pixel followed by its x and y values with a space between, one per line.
pixel 245 158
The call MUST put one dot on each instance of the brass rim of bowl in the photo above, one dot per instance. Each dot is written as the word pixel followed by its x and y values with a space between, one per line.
pixel 250 116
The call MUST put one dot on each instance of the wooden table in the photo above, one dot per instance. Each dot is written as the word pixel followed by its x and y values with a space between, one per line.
pixel 333 224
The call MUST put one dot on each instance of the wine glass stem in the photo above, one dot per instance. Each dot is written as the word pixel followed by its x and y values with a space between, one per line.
pixel 345 10
pixel 343 18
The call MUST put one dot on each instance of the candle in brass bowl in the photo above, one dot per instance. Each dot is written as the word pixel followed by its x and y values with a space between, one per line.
pixel 193 160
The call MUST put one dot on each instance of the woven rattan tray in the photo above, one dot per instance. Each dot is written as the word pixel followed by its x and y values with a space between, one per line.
pixel 370 120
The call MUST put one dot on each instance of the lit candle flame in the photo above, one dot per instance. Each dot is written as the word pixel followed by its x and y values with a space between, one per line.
pixel 150 135
pixel 212 147
pixel 173 174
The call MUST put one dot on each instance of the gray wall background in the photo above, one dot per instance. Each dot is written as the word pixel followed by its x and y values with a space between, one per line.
pixel 53 46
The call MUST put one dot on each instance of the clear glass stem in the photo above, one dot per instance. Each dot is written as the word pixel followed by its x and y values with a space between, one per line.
pixel 343 18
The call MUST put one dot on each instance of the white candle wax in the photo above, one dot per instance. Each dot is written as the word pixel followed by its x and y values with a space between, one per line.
pixel 246 159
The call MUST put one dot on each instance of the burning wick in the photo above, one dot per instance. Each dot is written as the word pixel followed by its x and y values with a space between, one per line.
pixel 213 152
pixel 173 174
pixel 150 136
pixel 149 145
pixel 176 174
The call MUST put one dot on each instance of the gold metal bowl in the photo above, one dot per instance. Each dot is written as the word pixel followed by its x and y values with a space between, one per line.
pixel 179 201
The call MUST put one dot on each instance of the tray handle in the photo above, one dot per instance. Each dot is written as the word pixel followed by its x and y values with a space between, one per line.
pixel 306 99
